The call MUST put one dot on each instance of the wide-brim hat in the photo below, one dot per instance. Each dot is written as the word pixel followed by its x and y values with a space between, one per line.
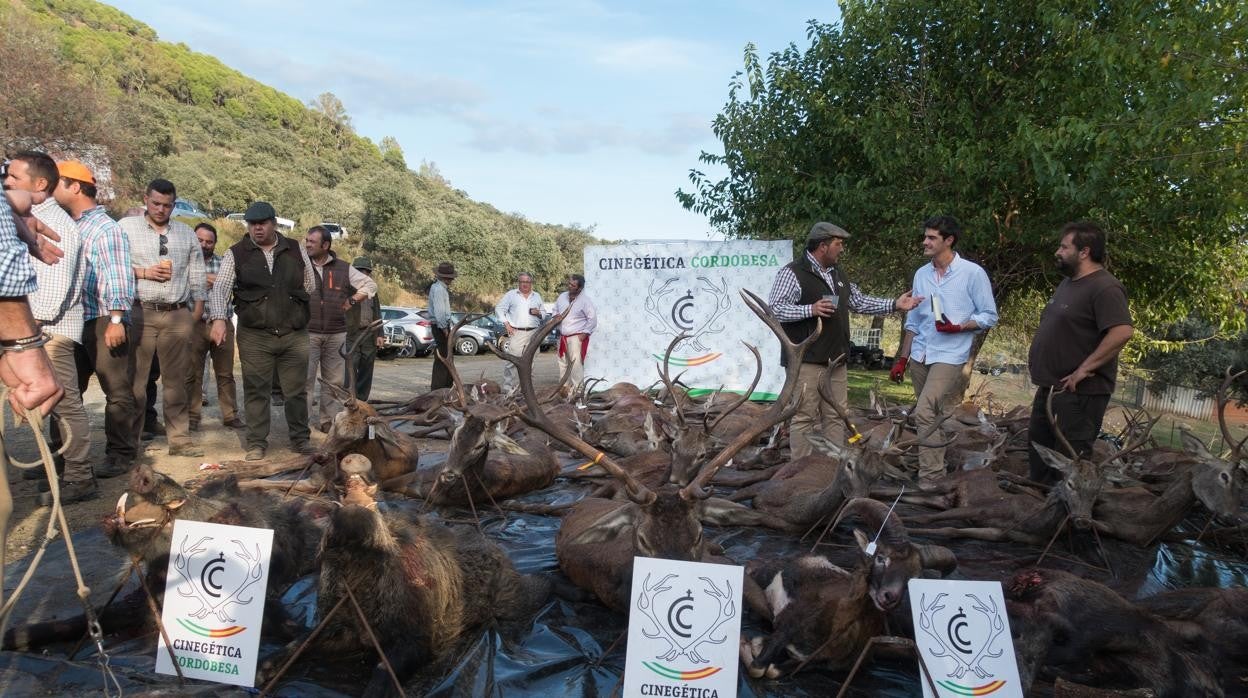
pixel 445 270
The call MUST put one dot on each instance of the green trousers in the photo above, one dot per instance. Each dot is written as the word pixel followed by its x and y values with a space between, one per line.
pixel 266 356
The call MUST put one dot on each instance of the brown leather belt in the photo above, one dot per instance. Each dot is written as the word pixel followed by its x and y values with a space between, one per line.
pixel 149 305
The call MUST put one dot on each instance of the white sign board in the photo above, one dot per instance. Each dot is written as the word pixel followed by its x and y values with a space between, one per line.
pixel 963 633
pixel 684 629
pixel 214 601
pixel 648 294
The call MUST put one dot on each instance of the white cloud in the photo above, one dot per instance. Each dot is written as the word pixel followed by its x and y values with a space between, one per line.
pixel 646 54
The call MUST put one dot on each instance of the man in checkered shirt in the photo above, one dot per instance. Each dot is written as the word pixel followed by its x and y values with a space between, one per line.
pixel 805 292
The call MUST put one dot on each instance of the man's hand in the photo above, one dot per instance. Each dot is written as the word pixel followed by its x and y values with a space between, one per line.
pixel 211 278
pixel 218 332
pixel 38 238
pixel 158 272
pixel 510 330
pixel 114 335
pixel 907 301
pixel 32 384
pixel 381 341
pixel 898 374
pixel 822 308
pixel 943 325
pixel 1069 382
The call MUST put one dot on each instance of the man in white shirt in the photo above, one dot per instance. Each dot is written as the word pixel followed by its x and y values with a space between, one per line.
pixel 521 313
pixel 57 307
pixel 574 331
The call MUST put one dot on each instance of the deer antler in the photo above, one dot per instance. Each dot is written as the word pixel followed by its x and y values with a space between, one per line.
pixel 448 359
pixel 1141 438
pixel 783 408
pixel 1237 449
pixel 758 374
pixel 825 392
pixel 1061 438
pixel 535 417
pixel 677 407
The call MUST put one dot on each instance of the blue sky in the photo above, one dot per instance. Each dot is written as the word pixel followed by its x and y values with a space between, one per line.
pixel 569 111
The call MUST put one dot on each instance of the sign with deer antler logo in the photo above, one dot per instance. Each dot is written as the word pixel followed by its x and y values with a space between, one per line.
pixel 649 294
pixel 963 634
pixel 684 628
pixel 214 601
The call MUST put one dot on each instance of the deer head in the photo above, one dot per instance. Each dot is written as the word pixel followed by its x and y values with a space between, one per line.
pixel 667 522
pixel 894 560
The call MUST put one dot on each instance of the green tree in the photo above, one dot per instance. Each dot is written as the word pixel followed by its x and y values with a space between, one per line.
pixel 392 153
pixel 1016 116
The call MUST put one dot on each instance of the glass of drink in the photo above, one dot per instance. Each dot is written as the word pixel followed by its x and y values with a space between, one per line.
pixel 832 298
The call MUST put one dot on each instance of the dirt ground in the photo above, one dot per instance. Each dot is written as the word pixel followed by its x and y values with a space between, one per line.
pixel 398 379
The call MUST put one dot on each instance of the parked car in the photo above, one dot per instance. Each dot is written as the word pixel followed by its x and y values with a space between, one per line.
pixel 336 231
pixel 999 364
pixel 414 324
pixel 185 208
pixel 398 342
pixel 472 337
pixel 871 358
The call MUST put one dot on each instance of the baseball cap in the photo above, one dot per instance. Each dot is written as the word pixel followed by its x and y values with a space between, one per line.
pixel 75 170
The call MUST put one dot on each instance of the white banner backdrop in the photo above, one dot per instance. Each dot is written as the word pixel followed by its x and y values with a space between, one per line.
pixel 649 293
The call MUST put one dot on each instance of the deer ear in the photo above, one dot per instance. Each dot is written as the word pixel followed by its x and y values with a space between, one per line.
pixel 721 512
pixel 608 526
pixel 503 442
pixel 825 446
pixel 1052 458
pixel 863 539
pixel 1194 445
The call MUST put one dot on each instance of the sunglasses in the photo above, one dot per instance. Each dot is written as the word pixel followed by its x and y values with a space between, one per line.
pixel 164 245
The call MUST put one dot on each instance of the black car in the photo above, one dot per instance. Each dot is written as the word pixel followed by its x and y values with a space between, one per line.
pixel 871 358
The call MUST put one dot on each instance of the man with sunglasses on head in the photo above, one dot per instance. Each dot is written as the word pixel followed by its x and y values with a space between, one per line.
pixel 169 266
pixel 107 293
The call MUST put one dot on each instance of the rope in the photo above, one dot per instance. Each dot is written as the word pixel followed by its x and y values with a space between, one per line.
pixel 55 517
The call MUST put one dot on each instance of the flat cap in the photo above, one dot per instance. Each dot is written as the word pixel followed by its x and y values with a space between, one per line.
pixel 363 264
pixel 259 211
pixel 824 231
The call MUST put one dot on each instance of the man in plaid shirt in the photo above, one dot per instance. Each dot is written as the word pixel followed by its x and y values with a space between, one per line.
pixel 805 292
pixel 108 289
pixel 202 346
pixel 57 307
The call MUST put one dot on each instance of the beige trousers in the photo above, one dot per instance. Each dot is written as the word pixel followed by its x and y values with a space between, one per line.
pixel 935 387
pixel 167 334
pixel 325 357
pixel 516 344
pixel 812 414
pixel 572 358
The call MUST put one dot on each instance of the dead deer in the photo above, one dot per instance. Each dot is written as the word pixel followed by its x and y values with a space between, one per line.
pixel 1220 614
pixel 1137 515
pixel 483 462
pixel 1087 633
pixel 825 613
pixel 1004 507
pixel 599 538
pixel 420 584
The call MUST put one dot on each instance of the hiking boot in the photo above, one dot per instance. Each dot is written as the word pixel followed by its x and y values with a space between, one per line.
pixel 153 430
pixel 234 423
pixel 186 451
pixel 255 453
pixel 72 492
pixel 304 447
pixel 111 468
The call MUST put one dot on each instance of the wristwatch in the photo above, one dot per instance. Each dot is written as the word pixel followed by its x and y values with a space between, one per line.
pixel 114 319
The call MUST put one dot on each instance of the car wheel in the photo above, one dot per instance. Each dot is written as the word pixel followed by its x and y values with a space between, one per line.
pixel 997 371
pixel 465 346
pixel 409 348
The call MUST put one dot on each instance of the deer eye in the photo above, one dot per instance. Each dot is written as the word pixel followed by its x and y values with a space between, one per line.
pixel 1225 477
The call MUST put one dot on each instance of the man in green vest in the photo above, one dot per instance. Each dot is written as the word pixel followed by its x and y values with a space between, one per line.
pixel 804 292
pixel 362 357
pixel 269 279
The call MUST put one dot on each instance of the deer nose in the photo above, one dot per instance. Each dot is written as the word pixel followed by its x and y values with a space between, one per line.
pixel 1082 522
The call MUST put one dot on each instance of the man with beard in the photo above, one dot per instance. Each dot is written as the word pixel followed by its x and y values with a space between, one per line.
pixel 1075 351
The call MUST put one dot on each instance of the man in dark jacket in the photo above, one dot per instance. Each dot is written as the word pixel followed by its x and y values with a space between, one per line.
pixel 269 279
pixel 804 292
pixel 359 317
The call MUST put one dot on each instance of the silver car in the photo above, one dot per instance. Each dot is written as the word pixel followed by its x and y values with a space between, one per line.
pixel 414 325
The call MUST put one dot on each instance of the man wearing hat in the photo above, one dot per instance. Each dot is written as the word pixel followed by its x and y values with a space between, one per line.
pixel 440 314
pixel 108 288
pixel 269 279
pixel 805 292
pixel 364 353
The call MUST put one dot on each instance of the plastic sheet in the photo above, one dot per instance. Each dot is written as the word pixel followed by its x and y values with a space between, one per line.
pixel 574 646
